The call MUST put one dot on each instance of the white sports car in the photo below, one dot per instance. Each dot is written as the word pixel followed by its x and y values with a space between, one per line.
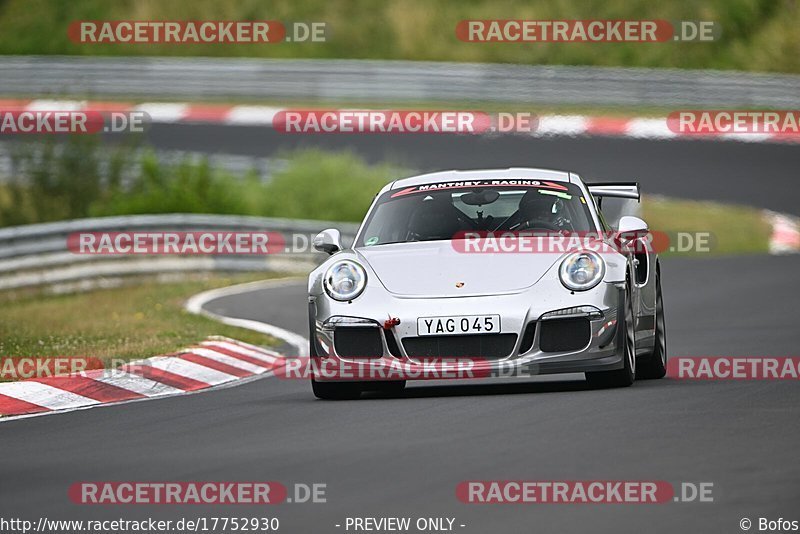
pixel 514 271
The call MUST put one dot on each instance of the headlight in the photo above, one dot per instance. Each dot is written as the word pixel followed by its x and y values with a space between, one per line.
pixel 582 270
pixel 345 280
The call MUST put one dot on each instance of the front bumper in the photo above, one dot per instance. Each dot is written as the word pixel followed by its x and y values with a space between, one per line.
pixel 519 313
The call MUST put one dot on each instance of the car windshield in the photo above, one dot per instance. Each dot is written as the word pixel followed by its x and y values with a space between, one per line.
pixel 445 211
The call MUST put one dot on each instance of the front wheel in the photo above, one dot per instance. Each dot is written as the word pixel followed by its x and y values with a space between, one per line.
pixel 626 340
pixel 654 365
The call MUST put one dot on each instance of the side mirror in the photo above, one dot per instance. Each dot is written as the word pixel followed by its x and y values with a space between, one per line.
pixel 629 224
pixel 328 241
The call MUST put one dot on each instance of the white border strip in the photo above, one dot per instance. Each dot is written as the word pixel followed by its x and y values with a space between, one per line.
pixel 785 238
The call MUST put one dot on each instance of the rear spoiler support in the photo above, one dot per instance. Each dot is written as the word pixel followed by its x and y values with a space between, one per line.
pixel 601 190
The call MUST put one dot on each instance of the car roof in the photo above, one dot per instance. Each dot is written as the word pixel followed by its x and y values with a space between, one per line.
pixel 481 174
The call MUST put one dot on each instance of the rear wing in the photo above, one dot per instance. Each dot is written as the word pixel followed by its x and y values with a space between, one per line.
pixel 601 190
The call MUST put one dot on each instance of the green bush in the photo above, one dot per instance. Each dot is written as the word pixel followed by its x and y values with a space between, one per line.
pixel 183 188
pixel 327 186
pixel 54 181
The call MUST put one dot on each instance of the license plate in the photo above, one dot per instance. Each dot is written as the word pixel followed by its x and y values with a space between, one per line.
pixel 458 324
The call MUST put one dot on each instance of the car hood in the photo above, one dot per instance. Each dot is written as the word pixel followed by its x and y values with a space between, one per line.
pixel 434 268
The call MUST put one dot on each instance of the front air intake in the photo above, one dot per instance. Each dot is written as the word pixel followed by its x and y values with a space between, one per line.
pixel 358 341
pixel 562 335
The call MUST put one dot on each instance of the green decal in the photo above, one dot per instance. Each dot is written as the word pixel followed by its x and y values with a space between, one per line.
pixel 559 194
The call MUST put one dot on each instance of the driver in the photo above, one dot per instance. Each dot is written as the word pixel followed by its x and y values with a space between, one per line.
pixel 534 207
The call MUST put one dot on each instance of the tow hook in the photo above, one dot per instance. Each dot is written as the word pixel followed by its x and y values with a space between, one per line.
pixel 391 322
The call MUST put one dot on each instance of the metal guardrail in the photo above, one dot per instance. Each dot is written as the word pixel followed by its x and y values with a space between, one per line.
pixel 37 254
pixel 369 81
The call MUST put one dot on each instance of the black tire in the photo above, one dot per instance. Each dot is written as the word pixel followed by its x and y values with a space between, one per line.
pixel 626 340
pixel 335 390
pixel 654 365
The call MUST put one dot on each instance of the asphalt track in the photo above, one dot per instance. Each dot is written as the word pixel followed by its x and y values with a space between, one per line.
pixel 404 456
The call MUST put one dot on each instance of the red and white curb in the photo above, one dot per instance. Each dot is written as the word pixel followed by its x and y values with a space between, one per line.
pixel 214 362
pixel 785 238
pixel 248 115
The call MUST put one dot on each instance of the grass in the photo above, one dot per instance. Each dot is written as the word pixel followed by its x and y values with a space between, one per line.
pixel 734 229
pixel 128 322
pixel 757 35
